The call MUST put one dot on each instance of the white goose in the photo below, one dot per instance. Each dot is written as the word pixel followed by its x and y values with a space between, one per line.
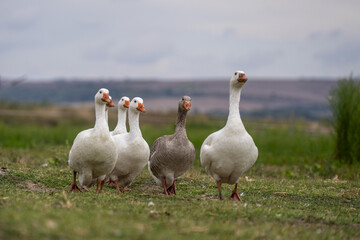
pixel 93 153
pixel 133 150
pixel 123 106
pixel 231 151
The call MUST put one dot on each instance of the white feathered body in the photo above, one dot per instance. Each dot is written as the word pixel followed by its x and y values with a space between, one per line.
pixel 228 153
pixel 133 154
pixel 93 155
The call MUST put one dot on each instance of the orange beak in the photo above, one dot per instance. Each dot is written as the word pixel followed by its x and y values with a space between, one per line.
pixel 187 105
pixel 141 107
pixel 242 78
pixel 106 98
pixel 127 104
pixel 111 104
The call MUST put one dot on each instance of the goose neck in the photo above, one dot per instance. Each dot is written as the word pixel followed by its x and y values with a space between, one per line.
pixel 134 123
pixel 234 100
pixel 121 123
pixel 100 118
pixel 181 122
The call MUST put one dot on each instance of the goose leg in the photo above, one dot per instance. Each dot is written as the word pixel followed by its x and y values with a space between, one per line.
pixel 74 186
pixel 165 190
pixel 111 182
pixel 172 189
pixel 85 188
pixel 218 183
pixel 235 196
pixel 102 185
pixel 99 182
pixel 117 185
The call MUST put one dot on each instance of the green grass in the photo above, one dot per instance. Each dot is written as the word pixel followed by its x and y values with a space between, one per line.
pixel 344 104
pixel 271 208
pixel 294 191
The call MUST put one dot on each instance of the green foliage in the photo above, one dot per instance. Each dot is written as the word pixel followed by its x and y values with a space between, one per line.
pixel 345 107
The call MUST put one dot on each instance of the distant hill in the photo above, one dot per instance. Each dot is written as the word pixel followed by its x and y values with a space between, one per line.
pixel 260 98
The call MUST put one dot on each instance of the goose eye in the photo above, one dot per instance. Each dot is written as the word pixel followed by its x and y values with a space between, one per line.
pixel 135 101
pixel 235 73
pixel 182 99
pixel 100 92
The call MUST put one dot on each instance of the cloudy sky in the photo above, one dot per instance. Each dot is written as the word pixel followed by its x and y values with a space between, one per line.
pixel 45 39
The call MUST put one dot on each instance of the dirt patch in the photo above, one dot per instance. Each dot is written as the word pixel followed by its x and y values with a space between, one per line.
pixel 4 170
pixel 150 188
pixel 35 187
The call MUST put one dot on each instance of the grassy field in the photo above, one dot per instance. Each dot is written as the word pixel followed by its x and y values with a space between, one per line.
pixel 294 191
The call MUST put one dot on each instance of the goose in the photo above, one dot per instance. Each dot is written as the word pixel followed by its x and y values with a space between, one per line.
pixel 120 128
pixel 108 105
pixel 133 151
pixel 123 106
pixel 93 153
pixel 172 155
pixel 231 151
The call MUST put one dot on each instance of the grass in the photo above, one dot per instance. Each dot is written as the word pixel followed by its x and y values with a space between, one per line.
pixel 344 104
pixel 295 190
pixel 271 208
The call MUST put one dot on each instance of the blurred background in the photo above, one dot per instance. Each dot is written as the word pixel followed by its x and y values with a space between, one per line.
pixel 55 55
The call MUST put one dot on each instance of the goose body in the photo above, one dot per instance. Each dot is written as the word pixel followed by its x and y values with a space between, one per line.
pixel 133 151
pixel 230 152
pixel 172 155
pixel 93 153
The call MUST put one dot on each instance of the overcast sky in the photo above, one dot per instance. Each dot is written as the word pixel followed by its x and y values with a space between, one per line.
pixel 179 39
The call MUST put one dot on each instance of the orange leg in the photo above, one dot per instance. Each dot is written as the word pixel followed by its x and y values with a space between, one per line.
pixel 111 182
pixel 99 184
pixel 102 185
pixel 117 186
pixel 218 183
pixel 235 196
pixel 165 190
pixel 74 186
pixel 172 189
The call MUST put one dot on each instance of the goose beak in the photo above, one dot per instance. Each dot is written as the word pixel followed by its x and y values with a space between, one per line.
pixel 141 107
pixel 106 98
pixel 127 104
pixel 242 78
pixel 111 104
pixel 187 105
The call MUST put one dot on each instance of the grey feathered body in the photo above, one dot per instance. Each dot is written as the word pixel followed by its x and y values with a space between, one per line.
pixel 172 155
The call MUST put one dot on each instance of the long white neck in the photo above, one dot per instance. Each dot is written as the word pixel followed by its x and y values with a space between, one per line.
pixel 100 118
pixel 234 119
pixel 134 123
pixel 107 114
pixel 121 123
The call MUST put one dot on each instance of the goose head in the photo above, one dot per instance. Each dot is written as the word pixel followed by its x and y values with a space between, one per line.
pixel 137 104
pixel 102 97
pixel 238 79
pixel 124 103
pixel 185 103
pixel 111 103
